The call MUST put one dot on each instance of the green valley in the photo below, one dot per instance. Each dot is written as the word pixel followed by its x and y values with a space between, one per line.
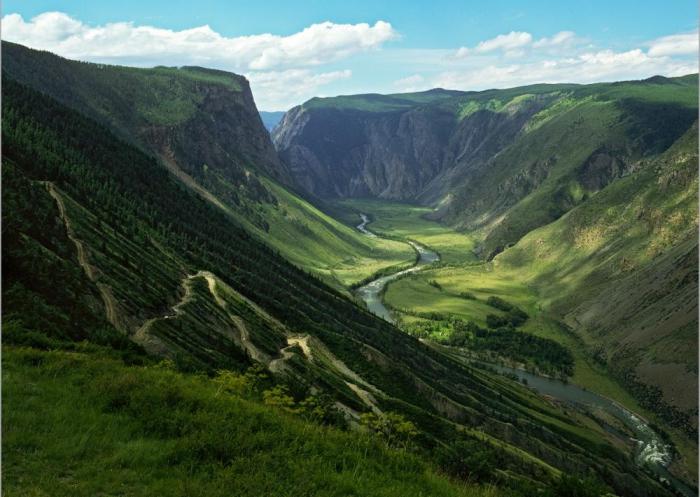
pixel 185 296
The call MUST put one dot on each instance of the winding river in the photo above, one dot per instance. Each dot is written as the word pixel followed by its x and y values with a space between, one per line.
pixel 372 292
pixel 650 449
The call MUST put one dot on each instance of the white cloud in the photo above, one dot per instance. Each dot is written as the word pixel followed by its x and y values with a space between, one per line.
pixel 586 67
pixel 281 90
pixel 286 70
pixel 679 44
pixel 277 66
pixel 559 39
pixel 507 42
pixel 128 43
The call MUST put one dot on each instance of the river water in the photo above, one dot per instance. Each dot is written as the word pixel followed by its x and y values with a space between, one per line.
pixel 650 449
pixel 371 293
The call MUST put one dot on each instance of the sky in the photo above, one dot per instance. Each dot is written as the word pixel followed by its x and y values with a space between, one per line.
pixel 293 51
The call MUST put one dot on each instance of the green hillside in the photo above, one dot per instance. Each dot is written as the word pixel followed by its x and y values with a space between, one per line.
pixel 167 111
pixel 90 425
pixel 631 248
pixel 582 141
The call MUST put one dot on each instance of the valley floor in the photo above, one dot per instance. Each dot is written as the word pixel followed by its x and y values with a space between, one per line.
pixel 458 288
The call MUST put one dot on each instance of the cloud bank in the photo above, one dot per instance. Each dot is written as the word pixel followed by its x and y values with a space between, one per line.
pixel 517 58
pixel 323 58
pixel 260 57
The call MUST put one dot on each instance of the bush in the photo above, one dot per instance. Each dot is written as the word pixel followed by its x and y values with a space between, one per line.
pixel 517 317
pixel 278 396
pixel 499 303
pixel 391 427
pixel 467 460
pixel 493 321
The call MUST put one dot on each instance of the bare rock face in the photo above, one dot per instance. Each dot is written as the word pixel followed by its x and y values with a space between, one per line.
pixel 414 152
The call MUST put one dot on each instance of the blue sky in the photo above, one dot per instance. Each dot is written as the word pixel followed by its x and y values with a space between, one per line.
pixel 292 51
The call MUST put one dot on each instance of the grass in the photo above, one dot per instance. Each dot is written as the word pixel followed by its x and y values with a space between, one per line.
pixel 380 103
pixel 77 424
pixel 406 221
pixel 316 242
pixel 155 96
pixel 483 281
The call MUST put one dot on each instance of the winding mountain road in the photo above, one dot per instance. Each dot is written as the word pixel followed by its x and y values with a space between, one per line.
pixel 108 299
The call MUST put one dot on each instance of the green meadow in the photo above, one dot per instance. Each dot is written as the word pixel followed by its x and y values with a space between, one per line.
pixel 406 221
pixel 114 429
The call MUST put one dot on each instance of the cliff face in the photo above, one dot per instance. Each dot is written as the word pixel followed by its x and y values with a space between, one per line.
pixel 410 152
pixel 200 120
pixel 346 153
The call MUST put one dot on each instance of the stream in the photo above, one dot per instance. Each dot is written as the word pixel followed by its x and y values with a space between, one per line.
pixel 650 449
pixel 372 292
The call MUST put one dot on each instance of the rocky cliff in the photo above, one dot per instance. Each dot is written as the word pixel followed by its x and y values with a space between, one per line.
pixel 202 122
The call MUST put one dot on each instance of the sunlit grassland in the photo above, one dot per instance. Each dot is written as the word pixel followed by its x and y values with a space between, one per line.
pixel 416 294
pixel 407 221
pixel 149 430
pixel 318 243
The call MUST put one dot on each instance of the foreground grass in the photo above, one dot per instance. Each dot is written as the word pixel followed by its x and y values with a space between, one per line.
pixel 406 221
pixel 79 424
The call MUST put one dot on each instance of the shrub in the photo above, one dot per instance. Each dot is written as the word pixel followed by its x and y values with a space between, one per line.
pixel 499 303
pixel 493 321
pixel 278 396
pixel 391 427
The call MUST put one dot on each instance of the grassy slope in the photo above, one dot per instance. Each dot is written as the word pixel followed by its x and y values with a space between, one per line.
pixel 540 177
pixel 123 97
pixel 616 268
pixel 317 242
pixel 374 102
pixel 145 431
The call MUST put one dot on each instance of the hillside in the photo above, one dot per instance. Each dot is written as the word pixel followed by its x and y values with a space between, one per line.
pixel 501 162
pixel 144 450
pixel 148 266
pixel 622 271
pixel 203 126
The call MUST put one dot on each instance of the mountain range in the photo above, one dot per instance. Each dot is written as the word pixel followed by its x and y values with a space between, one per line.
pixel 178 299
